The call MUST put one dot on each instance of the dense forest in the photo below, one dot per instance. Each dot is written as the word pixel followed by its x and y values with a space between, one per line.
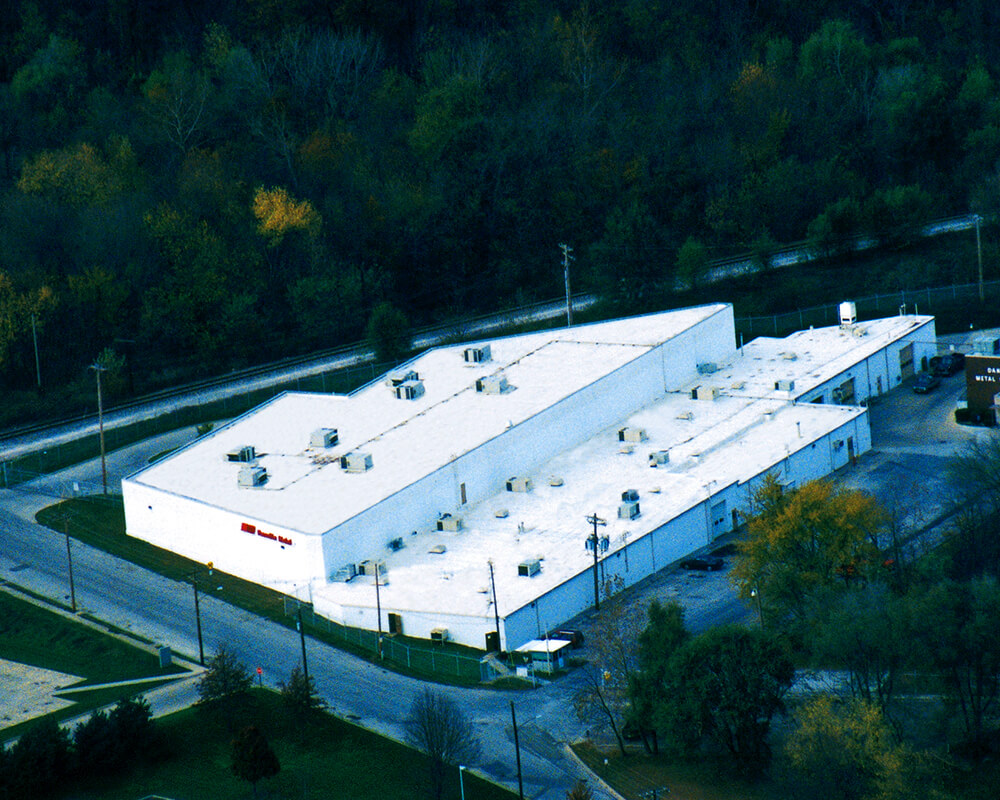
pixel 229 182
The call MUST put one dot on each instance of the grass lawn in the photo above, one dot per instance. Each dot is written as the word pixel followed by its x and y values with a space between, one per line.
pixel 321 758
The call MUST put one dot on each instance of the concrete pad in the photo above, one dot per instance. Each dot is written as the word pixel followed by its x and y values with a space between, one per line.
pixel 27 692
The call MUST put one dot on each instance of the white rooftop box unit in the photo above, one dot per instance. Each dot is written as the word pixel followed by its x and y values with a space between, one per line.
pixel 629 509
pixel 659 457
pixel 630 495
pixel 324 437
pixel 344 574
pixel 530 568
pixel 439 634
pixel 356 462
pixel 848 313
pixel 629 434
pixel 244 455
pixel 446 522
pixel 517 484
pixel 784 386
pixel 477 355
pixel 368 567
pixel 493 384
pixel 705 393
pixel 707 368
pixel 251 475
pixel 409 390
pixel 394 379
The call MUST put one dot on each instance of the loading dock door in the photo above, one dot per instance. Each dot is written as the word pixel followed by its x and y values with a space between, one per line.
pixel 906 362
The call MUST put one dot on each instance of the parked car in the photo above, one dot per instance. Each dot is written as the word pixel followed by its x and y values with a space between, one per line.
pixel 574 637
pixel 949 364
pixel 707 563
pixel 924 382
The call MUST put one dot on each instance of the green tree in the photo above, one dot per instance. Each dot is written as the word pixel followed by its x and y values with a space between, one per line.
pixel 956 625
pixel 798 541
pixel 253 758
pixel 95 745
pixel 439 728
pixel 40 761
pixel 845 753
pixel 299 695
pixel 389 333
pixel 627 261
pixel 692 261
pixel 663 635
pixel 972 545
pixel 225 679
pixel 725 685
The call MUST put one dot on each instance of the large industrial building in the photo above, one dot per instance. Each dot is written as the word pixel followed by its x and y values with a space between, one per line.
pixel 454 494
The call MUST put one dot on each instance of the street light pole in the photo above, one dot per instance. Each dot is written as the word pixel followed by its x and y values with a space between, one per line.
pixel 461 782
pixel 496 610
pixel 595 520
pixel 760 609
pixel 567 252
pixel 302 636
pixel 99 368
pixel 193 577
pixel 378 608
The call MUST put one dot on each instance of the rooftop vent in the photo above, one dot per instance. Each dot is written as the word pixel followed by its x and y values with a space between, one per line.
pixel 324 437
pixel 629 434
pixel 394 379
pixel 517 484
pixel 396 544
pixel 244 455
pixel 437 549
pixel 784 386
pixel 848 313
pixel 250 476
pixel 659 457
pixel 409 390
pixel 501 513
pixel 446 522
pixel 477 355
pixel 707 368
pixel 529 568
pixel 789 356
pixel 685 415
pixel 493 384
pixel 344 574
pixel 356 462
pixel 555 480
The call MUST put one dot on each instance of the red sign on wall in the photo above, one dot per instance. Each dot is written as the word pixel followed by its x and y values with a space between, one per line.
pixel 246 527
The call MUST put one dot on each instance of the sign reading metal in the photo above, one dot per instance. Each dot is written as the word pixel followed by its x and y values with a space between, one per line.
pixel 246 527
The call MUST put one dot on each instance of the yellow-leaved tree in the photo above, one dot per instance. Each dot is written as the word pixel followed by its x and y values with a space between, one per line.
pixel 82 175
pixel 278 214
pixel 17 309
pixel 798 541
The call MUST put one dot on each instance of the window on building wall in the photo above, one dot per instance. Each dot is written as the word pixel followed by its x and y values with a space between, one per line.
pixel 461 490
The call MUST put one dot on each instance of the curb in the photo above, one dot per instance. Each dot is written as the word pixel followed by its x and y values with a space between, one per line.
pixel 572 756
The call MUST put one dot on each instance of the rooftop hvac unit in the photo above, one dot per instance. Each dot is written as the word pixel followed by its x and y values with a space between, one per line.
pixel 630 495
pixel 446 522
pixel 517 484
pixel 707 368
pixel 409 390
pixel 603 544
pixel 243 455
pixel 985 346
pixel 395 544
pixel 368 567
pixel 704 392
pixel 356 462
pixel 401 376
pixel 439 635
pixel 344 574
pixel 659 457
pixel 784 386
pixel 492 384
pixel 477 355
pixel 629 434
pixel 629 510
pixel 324 437
pixel 848 313
pixel 685 415
pixel 530 568
pixel 251 475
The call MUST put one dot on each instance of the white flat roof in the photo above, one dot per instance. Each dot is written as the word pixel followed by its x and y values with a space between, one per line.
pixel 407 439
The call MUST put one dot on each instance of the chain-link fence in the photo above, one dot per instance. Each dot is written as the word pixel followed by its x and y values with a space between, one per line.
pixel 948 303
pixel 436 660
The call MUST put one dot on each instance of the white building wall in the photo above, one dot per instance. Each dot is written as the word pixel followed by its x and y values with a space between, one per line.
pixel 205 534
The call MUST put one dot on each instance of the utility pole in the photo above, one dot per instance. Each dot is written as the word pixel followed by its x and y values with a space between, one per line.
pixel 99 368
pixel 517 753
pixel 38 364
pixel 496 611
pixel 69 558
pixel 979 253
pixel 595 520
pixel 302 635
pixel 567 252
pixel 378 610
